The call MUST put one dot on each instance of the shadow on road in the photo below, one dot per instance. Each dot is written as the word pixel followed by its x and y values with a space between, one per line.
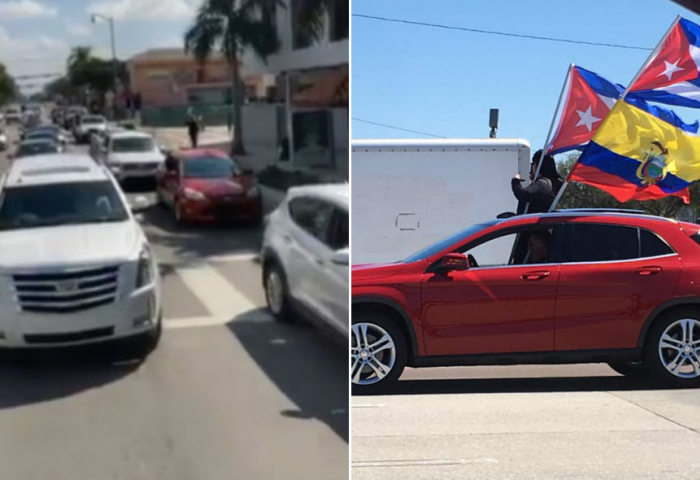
pixel 197 241
pixel 28 378
pixel 310 369
pixel 518 385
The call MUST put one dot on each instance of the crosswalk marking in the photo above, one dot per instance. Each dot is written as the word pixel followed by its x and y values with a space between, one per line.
pixel 213 289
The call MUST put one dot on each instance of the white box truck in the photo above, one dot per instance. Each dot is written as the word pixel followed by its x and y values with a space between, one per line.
pixel 408 194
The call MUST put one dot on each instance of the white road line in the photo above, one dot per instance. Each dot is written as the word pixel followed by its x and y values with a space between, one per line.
pixel 215 292
pixel 234 257
pixel 195 322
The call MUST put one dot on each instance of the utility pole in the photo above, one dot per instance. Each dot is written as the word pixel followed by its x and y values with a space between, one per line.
pixel 115 75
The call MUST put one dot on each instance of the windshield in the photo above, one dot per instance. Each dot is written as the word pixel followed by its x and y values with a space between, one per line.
pixel 446 242
pixel 71 204
pixel 211 167
pixel 41 135
pixel 134 144
pixel 36 148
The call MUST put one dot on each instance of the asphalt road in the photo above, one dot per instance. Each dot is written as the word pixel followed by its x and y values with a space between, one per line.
pixel 525 422
pixel 229 393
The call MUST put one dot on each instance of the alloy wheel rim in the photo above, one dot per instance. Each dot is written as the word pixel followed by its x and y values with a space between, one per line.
pixel 679 348
pixel 373 353
pixel 274 292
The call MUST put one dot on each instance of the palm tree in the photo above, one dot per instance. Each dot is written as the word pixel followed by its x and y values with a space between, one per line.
pixel 312 14
pixel 230 27
pixel 78 57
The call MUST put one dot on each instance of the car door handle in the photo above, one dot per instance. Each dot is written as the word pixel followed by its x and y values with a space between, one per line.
pixel 538 275
pixel 647 271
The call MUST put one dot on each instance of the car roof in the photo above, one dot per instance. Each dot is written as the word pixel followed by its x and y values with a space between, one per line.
pixel 626 217
pixel 334 192
pixel 129 134
pixel 53 169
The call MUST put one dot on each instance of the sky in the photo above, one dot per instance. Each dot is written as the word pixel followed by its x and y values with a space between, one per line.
pixel 444 82
pixel 37 35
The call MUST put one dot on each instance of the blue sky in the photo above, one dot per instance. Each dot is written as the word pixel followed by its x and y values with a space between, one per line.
pixel 444 82
pixel 36 35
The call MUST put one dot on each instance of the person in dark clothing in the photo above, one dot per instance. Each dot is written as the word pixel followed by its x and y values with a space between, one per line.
pixel 541 192
pixel 192 127
pixel 538 246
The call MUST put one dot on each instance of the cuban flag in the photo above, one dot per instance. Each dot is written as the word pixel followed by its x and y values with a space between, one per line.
pixel 588 101
pixel 673 75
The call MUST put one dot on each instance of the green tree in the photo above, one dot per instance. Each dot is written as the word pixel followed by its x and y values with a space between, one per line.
pixel 85 70
pixel 8 87
pixel 580 195
pixel 231 27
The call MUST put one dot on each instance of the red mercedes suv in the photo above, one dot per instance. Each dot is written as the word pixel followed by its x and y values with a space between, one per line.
pixel 574 286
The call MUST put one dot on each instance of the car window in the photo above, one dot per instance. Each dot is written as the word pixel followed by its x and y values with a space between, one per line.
pixel 604 243
pixel 132 145
pixel 71 204
pixel 37 148
pixel 652 245
pixel 528 245
pixel 339 230
pixel 449 241
pixel 311 215
pixel 211 167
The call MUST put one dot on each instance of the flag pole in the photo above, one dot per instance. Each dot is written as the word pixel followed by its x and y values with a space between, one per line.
pixel 551 127
pixel 649 59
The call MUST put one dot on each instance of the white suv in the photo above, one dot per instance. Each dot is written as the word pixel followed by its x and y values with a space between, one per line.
pixel 75 266
pixel 89 124
pixel 305 257
pixel 130 154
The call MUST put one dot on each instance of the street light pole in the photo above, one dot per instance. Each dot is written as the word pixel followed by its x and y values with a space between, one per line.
pixel 115 75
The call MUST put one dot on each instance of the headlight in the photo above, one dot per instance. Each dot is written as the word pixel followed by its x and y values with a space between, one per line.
pixel 253 192
pixel 144 271
pixel 193 195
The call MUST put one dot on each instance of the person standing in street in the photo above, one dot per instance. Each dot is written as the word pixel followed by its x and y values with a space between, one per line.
pixel 192 127
pixel 541 192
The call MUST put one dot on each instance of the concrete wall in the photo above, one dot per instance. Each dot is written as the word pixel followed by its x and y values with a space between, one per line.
pixel 260 127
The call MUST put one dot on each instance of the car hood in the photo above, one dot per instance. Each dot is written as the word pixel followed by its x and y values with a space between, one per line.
pixel 376 270
pixel 73 245
pixel 218 186
pixel 136 157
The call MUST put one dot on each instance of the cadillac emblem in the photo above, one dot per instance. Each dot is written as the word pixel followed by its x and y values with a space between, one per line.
pixel 66 286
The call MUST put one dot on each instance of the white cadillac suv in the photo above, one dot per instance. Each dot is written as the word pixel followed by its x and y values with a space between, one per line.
pixel 305 257
pixel 75 266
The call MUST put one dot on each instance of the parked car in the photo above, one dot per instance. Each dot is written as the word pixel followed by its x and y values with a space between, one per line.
pixel 37 146
pixel 206 185
pixel 57 131
pixel 87 125
pixel 75 266
pixel 305 257
pixel 564 287
pixel 129 154
pixel 12 115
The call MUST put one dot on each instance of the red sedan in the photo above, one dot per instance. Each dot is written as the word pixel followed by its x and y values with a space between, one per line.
pixel 206 185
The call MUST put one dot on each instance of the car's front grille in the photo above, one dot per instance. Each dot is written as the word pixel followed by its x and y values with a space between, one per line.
pixel 69 337
pixel 66 291
pixel 139 166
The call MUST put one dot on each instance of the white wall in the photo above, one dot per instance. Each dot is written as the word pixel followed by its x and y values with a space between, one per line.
pixel 260 127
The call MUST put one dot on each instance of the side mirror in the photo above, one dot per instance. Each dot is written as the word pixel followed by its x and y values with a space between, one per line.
pixel 341 257
pixel 454 262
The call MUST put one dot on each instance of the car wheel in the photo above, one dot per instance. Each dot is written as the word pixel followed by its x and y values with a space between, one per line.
pixel 635 370
pixel 277 294
pixel 672 348
pixel 378 352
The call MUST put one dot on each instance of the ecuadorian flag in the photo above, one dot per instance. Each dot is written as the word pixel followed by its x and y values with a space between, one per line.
pixel 635 155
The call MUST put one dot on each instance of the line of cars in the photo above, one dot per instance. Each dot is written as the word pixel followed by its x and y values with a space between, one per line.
pixel 79 269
